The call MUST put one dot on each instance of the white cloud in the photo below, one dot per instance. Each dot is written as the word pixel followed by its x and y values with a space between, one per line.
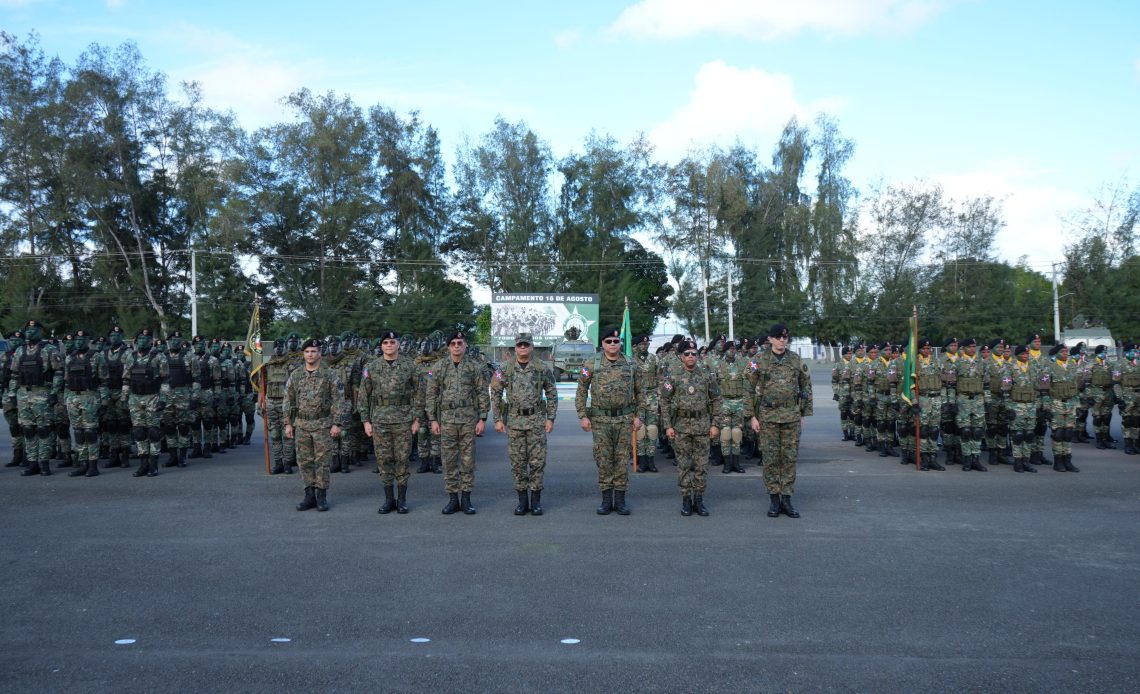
pixel 766 20
pixel 728 103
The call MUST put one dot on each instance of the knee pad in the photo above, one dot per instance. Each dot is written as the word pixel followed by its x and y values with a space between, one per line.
pixel 651 431
pixel 45 432
pixel 169 429
pixel 155 434
pixel 61 429
pixel 16 430
pixel 950 428
pixel 183 429
pixel 883 426
pixel 138 433
pixel 1039 429
pixel 1017 436
pixel 725 436
pixel 737 435
pixel 966 433
pixel 91 435
pixel 1070 434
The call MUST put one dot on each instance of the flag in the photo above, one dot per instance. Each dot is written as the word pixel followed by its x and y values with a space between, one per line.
pixel 910 364
pixel 253 345
pixel 626 336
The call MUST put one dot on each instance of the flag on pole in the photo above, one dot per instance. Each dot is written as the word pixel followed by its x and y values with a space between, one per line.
pixel 626 334
pixel 253 344
pixel 910 364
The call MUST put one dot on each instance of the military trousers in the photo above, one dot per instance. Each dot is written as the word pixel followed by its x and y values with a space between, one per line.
pixel 613 446
pixel 37 422
pixel 780 443
pixel 314 445
pixel 83 411
pixel 393 444
pixel 457 448
pixel 526 448
pixel 692 451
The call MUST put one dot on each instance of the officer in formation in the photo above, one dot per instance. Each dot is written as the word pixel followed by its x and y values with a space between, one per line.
pixel 388 403
pixel 316 411
pixel 36 383
pixel 181 413
pixel 524 402
pixel 647 435
pixel 691 413
pixel 8 400
pixel 732 375
pixel 457 408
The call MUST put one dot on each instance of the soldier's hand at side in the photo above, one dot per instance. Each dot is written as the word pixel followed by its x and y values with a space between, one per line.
pixel 636 423
pixel 585 424
pixel 755 425
pixel 335 431
pixel 500 427
pixel 368 429
pixel 435 428
pixel 670 433
pixel 713 432
pixel 480 427
pixel 415 427
pixel 288 431
pixel 549 425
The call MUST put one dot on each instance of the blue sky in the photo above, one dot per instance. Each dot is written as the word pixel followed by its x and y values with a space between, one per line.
pixel 1036 103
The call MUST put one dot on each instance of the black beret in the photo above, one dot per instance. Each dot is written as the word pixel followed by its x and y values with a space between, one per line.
pixel 925 342
pixel 969 341
pixel 1056 349
pixel 677 338
pixel 951 341
pixel 311 342
pixel 1099 349
pixel 176 333
pixel 457 335
pixel 388 335
pixel 997 343
pixel 686 345
pixel 612 332
pixel 641 338
pixel 1032 337
pixel 1076 349
pixel 845 351
pixel 1019 350
pixel 778 330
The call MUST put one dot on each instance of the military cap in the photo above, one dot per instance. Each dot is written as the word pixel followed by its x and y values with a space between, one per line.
pixel 846 350
pixel 997 343
pixel 82 333
pixel 387 334
pixel 951 341
pixel 969 341
pixel 686 345
pixel 176 333
pixel 1099 349
pixel 925 342
pixel 311 342
pixel 1056 349
pixel 197 338
pixel 614 332
pixel 1077 348
pixel 457 335
pixel 677 338
pixel 731 344
pixel 1032 337
pixel 33 323
pixel 641 338
pixel 524 338
pixel 145 332
pixel 778 330
pixel 1019 350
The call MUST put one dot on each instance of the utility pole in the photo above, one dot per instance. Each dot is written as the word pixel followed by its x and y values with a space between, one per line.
pixel 193 292
pixel 731 336
pixel 1056 310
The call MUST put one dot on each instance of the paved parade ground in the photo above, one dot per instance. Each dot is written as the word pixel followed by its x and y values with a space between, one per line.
pixel 893 580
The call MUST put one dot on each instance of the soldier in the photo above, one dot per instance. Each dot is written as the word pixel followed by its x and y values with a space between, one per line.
pixel 203 430
pixel 1022 406
pixel 928 378
pixel 228 410
pixel 116 420
pixel 1061 406
pixel 841 392
pixel 1126 388
pixel 691 414
pixel 647 435
pixel 315 412
pixel 62 447
pixel 426 441
pixel 37 380
pixel 147 392
pixel 1082 363
pixel 872 374
pixel 275 373
pixel 181 412
pixel 886 387
pixel 336 358
pixel 85 379
pixel 1101 372
pixel 389 402
pixel 781 397
pixel 8 397
pixel 247 397
pixel 457 406
pixel 951 442
pixel 859 393
pixel 997 384
pixel 732 379
pixel 524 401
pixel 609 396
pixel 970 413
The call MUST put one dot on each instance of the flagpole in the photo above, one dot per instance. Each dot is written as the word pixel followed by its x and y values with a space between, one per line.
pixel 918 418
pixel 628 339
pixel 264 417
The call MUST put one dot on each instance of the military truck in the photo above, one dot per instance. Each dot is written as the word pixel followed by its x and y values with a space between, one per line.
pixel 570 355
pixel 1091 333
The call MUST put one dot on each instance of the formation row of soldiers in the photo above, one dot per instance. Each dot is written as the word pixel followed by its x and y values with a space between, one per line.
pixel 998 397
pixel 83 398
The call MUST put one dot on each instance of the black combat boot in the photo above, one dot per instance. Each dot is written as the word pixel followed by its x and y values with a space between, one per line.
pixel 774 505
pixel 966 463
pixel 977 463
pixel 536 502
pixel 346 468
pixel 699 505
pixel 1018 466
pixel 437 465
pixel 993 457
pixel 1068 463
pixel 934 464
pixel 425 464
pixel 32 469
pixel 859 439
pixel 465 503
pixel 686 506
pixel 152 466
pixel 786 507
pixel 619 502
pixel 607 502
pixel 389 504
pixel 1100 442
pixel 334 466
pixel 17 458
pixel 182 456
pixel 70 459
pixel 1027 467
pixel 524 503
pixel 195 451
pixel 1130 447
pixel 310 500
pixel 650 466
pixel 79 471
pixel 93 467
pixel 172 458
pixel 401 498
pixel 248 435
pixel 278 467
pixel 727 464
pixel 737 466
pixel 45 468
pixel 452 504
pixel 141 471
pixel 1058 463
pixel 322 499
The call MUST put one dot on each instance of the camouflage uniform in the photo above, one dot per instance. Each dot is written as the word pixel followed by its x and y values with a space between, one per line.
pixel 247 396
pixel 732 377
pixel 8 400
pixel 343 363
pixel 457 398
pixel 116 420
pixel 37 381
pixel 85 380
pixel 524 397
pixel 181 411
pixel 275 373
pixel 970 415
pixel 885 386
pixel 1022 406
pixel 1062 408
pixel 781 396
pixel 690 406
pixel 610 393
pixel 647 434
pixel 928 377
pixel 859 397
pixel 1126 388
pixel 147 392
pixel 314 403
pixel 997 384
pixel 951 441
pixel 62 449
pixel 204 430
pixel 426 442
pixel 841 394
pixel 228 412
pixel 1101 375
pixel 389 401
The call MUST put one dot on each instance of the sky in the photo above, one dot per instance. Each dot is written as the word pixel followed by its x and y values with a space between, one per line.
pixel 1034 103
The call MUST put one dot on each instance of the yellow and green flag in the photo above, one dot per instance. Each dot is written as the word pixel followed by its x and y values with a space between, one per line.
pixel 626 335
pixel 253 345
pixel 910 362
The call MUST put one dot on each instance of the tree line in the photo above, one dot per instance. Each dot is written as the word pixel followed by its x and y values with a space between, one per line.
pixel 342 217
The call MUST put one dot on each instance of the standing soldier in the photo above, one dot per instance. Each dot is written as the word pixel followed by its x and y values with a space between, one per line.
pixel 996 386
pixel 1082 362
pixel 841 392
pixel 1022 406
pixel 63 449
pixel 181 412
pixel 337 359
pixel 886 387
pixel 951 442
pixel 37 380
pixel 457 406
pixel 389 402
pixel 147 392
pixel 229 411
pixel 732 378
pixel 609 396
pixel 246 398
pixel 203 431
pixel 315 412
pixel 426 441
pixel 1101 373
pixel 970 413
pixel 873 372
pixel 928 375
pixel 116 421
pixel 858 393
pixel 1062 407
pixel 691 414
pixel 85 380
pixel 11 413
pixel 1126 388
pixel 781 397
pixel 275 373
pixel 647 435
pixel 524 401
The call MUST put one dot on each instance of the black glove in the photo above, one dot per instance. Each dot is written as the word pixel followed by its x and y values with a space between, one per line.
pixel 52 400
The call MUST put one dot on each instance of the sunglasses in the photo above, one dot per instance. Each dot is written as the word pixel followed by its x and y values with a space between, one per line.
pixel 612 342
pixel 522 344
pixel 456 343
pixel 688 354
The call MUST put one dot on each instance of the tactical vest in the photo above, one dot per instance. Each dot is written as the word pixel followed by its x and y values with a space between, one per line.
pixel 969 385
pixel 882 383
pixel 1022 394
pixel 205 374
pixel 115 372
pixel 142 378
pixel 1062 390
pixel 995 381
pixel 5 371
pixel 733 385
pixel 31 369
pixel 78 376
pixel 276 375
pixel 1130 379
pixel 179 376
pixel 1100 377
pixel 929 383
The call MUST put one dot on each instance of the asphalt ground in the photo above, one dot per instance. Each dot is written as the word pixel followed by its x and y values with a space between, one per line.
pixel 893 579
